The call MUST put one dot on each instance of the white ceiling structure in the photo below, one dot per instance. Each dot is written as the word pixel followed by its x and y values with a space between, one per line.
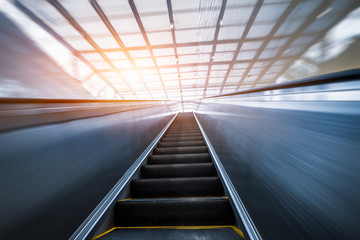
pixel 186 49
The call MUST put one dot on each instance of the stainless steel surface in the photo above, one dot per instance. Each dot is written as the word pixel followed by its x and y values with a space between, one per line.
pixel 110 199
pixel 240 209
pixel 17 113
pixel 292 156
pixel 53 176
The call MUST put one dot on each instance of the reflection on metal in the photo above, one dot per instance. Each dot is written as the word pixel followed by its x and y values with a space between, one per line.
pixel 87 226
pixel 234 197
pixel 333 78
pixel 291 151
pixel 22 113
pixel 311 94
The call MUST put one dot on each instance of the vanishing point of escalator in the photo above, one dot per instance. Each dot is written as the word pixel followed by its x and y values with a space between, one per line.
pixel 179 195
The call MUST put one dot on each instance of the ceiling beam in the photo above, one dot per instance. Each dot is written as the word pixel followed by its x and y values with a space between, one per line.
pixel 89 19
pixel 172 28
pixel 195 64
pixel 49 30
pixel 216 35
pixel 291 61
pixel 115 35
pixel 192 87
pixel 146 39
pixel 179 30
pixel 179 55
pixel 190 44
pixel 254 14
pixel 309 20
pixel 269 38
pixel 87 37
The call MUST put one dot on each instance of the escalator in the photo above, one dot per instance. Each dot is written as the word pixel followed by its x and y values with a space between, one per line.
pixel 178 194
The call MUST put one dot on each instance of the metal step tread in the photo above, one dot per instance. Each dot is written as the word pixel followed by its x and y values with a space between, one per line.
pixel 174 212
pixel 178 170
pixel 179 158
pixel 173 233
pixel 181 144
pixel 176 187
pixel 184 150
pixel 181 139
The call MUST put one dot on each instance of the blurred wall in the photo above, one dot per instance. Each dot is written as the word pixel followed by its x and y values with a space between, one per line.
pixel 297 172
pixel 27 72
pixel 53 176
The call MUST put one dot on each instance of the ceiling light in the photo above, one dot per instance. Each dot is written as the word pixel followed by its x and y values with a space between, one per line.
pixel 213 57
pixel 171 26
pixel 324 13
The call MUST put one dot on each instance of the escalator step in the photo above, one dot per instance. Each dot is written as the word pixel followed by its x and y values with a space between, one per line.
pixel 182 134
pixel 177 139
pixel 179 158
pixel 180 150
pixel 181 144
pixel 194 128
pixel 183 131
pixel 174 212
pixel 172 135
pixel 178 194
pixel 176 187
pixel 178 170
pixel 174 233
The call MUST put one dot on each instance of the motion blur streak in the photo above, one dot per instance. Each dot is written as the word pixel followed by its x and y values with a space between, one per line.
pixel 296 171
pixel 53 176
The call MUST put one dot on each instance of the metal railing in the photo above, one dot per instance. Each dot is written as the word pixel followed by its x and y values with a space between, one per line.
pixel 110 199
pixel 17 113
pixel 233 195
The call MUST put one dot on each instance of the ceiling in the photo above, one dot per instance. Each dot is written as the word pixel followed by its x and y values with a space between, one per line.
pixel 182 49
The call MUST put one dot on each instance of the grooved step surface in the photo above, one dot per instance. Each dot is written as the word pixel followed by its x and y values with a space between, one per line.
pixel 174 212
pixel 181 144
pixel 176 187
pixel 223 233
pixel 178 170
pixel 183 131
pixel 177 139
pixel 176 135
pixel 181 150
pixel 179 158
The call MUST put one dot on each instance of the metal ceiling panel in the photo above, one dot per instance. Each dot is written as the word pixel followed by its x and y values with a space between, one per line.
pixel 180 49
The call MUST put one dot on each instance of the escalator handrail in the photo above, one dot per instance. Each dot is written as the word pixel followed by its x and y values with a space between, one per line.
pixel 233 195
pixel 337 77
pixel 91 221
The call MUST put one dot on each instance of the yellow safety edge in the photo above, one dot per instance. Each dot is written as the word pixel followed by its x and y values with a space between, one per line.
pixel 176 227
pixel 127 199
